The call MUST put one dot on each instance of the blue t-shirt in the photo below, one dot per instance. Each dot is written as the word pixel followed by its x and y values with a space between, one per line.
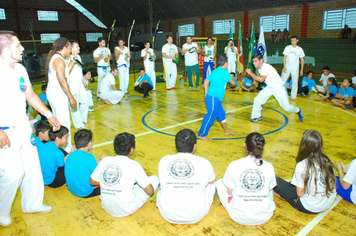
pixel 145 77
pixel 218 80
pixel 51 157
pixel 308 82
pixel 43 98
pixel 347 93
pixel 288 83
pixel 248 82
pixel 333 90
pixel 78 168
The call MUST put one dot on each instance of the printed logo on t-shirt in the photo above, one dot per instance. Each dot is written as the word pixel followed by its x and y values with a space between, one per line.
pixel 23 86
pixel 181 169
pixel 172 52
pixel 111 175
pixel 252 180
pixel 320 179
pixel 33 141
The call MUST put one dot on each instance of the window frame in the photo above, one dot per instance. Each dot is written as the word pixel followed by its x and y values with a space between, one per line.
pixel 188 33
pixel 268 29
pixel 344 20
pixel 94 36
pixel 225 31
pixel 2 14
pixel 48 15
pixel 50 40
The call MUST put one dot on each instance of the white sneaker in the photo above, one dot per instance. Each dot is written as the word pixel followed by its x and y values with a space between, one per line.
pixel 91 109
pixel 5 221
pixel 45 209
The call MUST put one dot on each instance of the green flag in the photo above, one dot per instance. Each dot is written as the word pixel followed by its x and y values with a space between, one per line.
pixel 231 36
pixel 252 49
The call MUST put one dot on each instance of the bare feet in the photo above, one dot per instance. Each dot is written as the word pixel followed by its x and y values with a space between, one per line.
pixel 204 138
pixel 229 132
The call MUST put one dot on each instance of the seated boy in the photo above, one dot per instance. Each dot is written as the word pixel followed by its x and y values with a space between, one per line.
pixel 41 129
pixel 80 165
pixel 52 158
pixel 187 183
pixel 124 184
pixel 143 83
pixel 324 80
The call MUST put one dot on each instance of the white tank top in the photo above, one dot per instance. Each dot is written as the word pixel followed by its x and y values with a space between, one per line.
pixel 54 89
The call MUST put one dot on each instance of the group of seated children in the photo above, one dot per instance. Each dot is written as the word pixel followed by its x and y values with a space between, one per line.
pixel 248 83
pixel 187 183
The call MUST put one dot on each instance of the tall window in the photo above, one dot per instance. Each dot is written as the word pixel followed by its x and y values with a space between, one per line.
pixel 2 14
pixel 49 38
pixel 93 37
pixel 47 15
pixel 274 22
pixel 223 26
pixel 186 30
pixel 337 19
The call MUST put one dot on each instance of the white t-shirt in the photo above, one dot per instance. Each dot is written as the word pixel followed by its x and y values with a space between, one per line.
pixel 312 202
pixel 190 59
pixel 76 77
pixel 293 54
pixel 350 178
pixel 353 80
pixel 106 82
pixel 324 78
pixel 54 89
pixel 183 178
pixel 117 176
pixel 121 60
pixel 210 52
pixel 106 52
pixel 252 185
pixel 13 86
pixel 170 51
pixel 147 62
pixel 273 79
pixel 230 54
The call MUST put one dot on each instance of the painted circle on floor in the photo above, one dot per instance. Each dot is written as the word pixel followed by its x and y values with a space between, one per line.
pixel 172 126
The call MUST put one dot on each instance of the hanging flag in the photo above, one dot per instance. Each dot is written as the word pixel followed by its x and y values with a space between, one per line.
pixel 240 55
pixel 252 48
pixel 261 48
pixel 230 35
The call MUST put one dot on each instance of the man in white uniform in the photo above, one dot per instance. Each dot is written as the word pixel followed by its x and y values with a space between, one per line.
pixel 58 92
pixel 187 183
pixel 275 86
pixel 102 57
pixel 108 91
pixel 79 115
pixel 149 58
pixel 19 163
pixel 231 52
pixel 190 51
pixel 170 53
pixel 292 53
pixel 122 56
pixel 124 185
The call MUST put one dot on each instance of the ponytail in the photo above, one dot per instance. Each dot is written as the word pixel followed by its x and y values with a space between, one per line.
pixel 255 143
pixel 58 45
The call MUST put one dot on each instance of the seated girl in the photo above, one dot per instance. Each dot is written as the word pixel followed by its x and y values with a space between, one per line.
pixel 346 181
pixel 308 84
pixel 313 188
pixel 330 89
pixel 246 191
pixel 248 84
pixel 345 95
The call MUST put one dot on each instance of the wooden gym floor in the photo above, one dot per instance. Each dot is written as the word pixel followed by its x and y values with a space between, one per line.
pixel 155 120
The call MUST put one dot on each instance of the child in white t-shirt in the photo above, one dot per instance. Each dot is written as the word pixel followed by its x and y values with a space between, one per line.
pixel 346 181
pixel 313 188
pixel 246 191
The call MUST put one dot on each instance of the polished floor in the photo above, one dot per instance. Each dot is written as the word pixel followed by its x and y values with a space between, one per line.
pixel 155 120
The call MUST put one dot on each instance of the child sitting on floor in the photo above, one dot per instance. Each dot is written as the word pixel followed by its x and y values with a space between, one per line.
pixel 331 91
pixel 345 95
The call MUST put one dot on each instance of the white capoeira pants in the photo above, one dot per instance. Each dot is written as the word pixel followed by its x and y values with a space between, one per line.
pixel 101 72
pixel 281 95
pixel 20 166
pixel 80 115
pixel 231 66
pixel 124 77
pixel 114 96
pixel 150 71
pixel 141 198
pixel 294 73
pixel 171 74
pixel 90 97
pixel 173 218
pixel 320 88
pixel 60 108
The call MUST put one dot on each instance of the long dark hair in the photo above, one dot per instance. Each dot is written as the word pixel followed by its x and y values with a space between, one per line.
pixel 254 145
pixel 58 45
pixel 311 148
pixel 333 81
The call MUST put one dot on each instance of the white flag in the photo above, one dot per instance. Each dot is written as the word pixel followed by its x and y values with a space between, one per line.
pixel 261 46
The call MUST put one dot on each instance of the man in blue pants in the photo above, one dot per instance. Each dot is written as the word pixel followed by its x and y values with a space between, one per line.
pixel 215 86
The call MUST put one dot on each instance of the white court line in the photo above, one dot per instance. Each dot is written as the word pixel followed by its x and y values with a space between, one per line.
pixel 172 126
pixel 338 108
pixel 318 218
